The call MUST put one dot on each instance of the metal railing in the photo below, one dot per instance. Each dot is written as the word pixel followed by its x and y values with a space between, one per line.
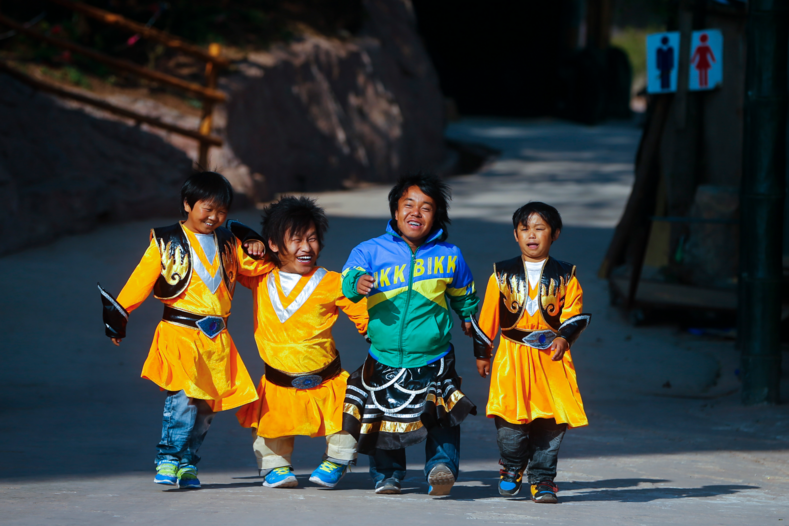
pixel 208 93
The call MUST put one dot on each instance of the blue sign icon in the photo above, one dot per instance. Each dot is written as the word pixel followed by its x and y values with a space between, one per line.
pixel 662 62
pixel 706 60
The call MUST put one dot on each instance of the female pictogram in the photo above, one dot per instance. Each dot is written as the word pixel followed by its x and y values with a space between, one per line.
pixel 701 59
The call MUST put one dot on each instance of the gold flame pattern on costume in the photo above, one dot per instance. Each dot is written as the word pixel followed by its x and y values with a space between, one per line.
pixel 175 264
pixel 229 262
pixel 552 299
pixel 513 291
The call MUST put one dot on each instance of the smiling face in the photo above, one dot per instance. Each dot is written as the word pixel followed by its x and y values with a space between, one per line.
pixel 205 216
pixel 414 216
pixel 535 238
pixel 299 252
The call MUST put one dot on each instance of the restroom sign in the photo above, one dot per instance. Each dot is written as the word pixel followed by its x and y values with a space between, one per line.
pixel 662 62
pixel 706 60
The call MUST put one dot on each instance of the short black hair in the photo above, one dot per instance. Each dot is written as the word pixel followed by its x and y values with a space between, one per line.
pixel 548 213
pixel 294 215
pixel 206 186
pixel 433 187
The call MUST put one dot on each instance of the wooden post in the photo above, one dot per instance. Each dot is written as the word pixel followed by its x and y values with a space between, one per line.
pixel 598 23
pixel 206 119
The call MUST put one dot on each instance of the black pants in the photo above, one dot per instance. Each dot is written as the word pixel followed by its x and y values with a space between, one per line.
pixel 535 445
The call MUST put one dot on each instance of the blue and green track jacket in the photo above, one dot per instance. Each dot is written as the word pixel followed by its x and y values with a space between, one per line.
pixel 409 304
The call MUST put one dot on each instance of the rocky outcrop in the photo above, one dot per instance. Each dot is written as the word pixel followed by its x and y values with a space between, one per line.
pixel 63 171
pixel 321 113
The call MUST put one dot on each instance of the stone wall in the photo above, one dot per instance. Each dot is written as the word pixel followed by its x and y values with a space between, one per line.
pixel 63 171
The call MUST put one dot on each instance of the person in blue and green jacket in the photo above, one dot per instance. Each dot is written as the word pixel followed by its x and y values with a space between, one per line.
pixel 407 390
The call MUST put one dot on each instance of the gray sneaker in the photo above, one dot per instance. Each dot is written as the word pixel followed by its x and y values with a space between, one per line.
pixel 440 479
pixel 390 486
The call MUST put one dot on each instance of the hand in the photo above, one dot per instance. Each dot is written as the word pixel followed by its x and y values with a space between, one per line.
pixel 116 341
pixel 255 248
pixel 467 330
pixel 559 347
pixel 365 284
pixel 483 367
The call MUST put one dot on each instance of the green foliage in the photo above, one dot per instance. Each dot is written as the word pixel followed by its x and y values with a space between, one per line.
pixel 633 41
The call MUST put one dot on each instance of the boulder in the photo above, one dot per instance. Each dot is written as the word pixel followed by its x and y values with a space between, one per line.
pixel 324 113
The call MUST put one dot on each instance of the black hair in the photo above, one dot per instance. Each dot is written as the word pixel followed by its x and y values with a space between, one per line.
pixel 294 215
pixel 433 187
pixel 206 186
pixel 548 213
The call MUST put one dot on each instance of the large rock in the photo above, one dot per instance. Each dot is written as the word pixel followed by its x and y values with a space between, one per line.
pixel 62 171
pixel 320 113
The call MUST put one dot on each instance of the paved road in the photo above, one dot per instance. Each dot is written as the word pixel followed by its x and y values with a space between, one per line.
pixel 79 427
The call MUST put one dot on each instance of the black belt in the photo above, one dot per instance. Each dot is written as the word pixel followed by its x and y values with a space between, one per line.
pixel 208 325
pixel 303 381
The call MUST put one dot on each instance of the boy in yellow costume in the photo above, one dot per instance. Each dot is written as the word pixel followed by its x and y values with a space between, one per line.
pixel 192 268
pixel 536 302
pixel 303 389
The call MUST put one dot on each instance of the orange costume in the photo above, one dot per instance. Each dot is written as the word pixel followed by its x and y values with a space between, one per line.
pixel 303 390
pixel 183 356
pixel 526 384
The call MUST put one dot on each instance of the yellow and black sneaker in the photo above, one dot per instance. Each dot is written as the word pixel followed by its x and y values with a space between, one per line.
pixel 544 492
pixel 510 482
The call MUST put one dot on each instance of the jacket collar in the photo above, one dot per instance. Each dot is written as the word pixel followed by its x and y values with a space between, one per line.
pixel 436 235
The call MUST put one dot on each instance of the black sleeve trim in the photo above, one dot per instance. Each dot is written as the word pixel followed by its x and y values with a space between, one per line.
pixel 115 316
pixel 244 233
pixel 571 329
pixel 483 346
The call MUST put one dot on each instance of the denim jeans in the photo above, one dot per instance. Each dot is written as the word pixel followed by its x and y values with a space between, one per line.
pixel 535 444
pixel 185 422
pixel 441 447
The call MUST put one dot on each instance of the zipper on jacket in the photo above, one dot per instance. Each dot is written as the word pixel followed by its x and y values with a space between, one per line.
pixel 407 301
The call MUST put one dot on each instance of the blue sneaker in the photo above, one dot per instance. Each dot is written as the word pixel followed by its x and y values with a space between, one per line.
pixel 510 482
pixel 166 473
pixel 281 478
pixel 328 474
pixel 187 478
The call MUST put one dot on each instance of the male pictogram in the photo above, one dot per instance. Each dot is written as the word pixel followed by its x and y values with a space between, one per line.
pixel 665 63
pixel 701 60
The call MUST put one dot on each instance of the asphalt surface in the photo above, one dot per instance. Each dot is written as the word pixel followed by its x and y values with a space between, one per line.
pixel 79 426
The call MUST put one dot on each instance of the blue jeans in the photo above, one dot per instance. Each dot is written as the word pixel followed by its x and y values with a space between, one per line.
pixel 441 447
pixel 185 422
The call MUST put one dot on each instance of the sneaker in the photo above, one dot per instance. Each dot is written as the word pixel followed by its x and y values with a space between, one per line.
pixel 166 473
pixel 544 492
pixel 328 474
pixel 390 486
pixel 281 478
pixel 187 478
pixel 440 479
pixel 510 482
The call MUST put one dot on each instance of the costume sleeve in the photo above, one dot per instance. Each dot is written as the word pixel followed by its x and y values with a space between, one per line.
pixel 142 280
pixel 462 294
pixel 487 327
pixel 574 322
pixel 247 281
pixel 356 267
pixel 356 312
pixel 573 300
pixel 249 266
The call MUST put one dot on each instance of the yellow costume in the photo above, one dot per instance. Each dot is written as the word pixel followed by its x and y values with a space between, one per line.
pixel 525 383
pixel 182 357
pixel 293 334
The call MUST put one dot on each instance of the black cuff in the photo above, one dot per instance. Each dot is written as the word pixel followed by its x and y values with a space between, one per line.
pixel 115 316
pixel 483 346
pixel 244 234
pixel 572 328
